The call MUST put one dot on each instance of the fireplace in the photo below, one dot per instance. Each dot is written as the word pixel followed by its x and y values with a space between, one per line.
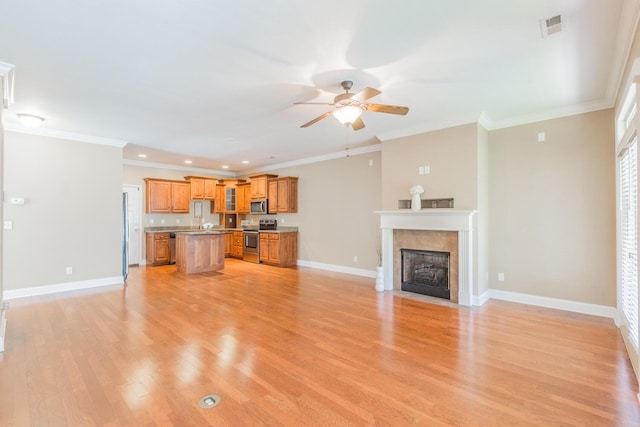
pixel 425 272
pixel 441 230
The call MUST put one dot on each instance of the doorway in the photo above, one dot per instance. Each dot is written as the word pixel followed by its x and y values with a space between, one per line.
pixel 134 214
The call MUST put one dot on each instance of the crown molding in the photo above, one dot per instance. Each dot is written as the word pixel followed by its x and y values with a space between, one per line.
pixel 71 136
pixel 433 126
pixel 557 113
pixel 7 73
pixel 315 159
pixel 179 168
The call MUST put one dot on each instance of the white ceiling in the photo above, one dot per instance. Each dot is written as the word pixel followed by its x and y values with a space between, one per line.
pixel 215 82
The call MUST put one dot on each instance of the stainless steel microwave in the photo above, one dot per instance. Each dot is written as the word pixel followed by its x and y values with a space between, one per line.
pixel 259 206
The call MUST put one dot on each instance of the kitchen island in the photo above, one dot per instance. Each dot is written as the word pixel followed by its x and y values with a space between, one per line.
pixel 199 251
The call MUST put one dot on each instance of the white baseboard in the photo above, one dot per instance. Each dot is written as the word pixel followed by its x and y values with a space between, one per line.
pixel 61 287
pixel 560 304
pixel 479 300
pixel 338 268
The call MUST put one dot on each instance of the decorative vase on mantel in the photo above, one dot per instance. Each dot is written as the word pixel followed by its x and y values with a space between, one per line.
pixel 416 203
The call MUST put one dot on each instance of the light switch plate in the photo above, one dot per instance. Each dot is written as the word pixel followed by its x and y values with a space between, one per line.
pixel 8 225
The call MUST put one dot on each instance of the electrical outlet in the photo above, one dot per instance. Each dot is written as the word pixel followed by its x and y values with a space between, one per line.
pixel 177 221
pixel 151 221
pixel 501 277
pixel 8 225
pixel 69 270
pixel 162 221
pixel 5 305
pixel 355 258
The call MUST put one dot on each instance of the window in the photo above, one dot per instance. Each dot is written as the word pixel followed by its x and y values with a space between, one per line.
pixel 627 219
pixel 629 239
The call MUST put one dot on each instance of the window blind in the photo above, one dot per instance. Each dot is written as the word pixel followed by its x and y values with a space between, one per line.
pixel 629 247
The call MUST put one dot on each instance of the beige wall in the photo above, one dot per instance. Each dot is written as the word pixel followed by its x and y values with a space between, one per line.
pixel 452 157
pixel 336 200
pixel 72 211
pixel 552 205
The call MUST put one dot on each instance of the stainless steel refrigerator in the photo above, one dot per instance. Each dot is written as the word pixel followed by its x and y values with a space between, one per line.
pixel 125 237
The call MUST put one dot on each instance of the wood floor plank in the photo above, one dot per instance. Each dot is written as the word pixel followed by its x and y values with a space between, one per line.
pixel 303 347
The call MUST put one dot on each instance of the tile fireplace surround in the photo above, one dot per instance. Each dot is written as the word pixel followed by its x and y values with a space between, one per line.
pixel 456 220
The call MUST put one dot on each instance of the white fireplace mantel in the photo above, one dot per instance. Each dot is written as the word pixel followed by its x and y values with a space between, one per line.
pixel 458 220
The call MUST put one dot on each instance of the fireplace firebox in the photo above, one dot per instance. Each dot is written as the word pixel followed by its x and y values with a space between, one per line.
pixel 425 272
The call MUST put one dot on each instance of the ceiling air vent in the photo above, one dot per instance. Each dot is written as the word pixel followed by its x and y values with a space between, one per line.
pixel 551 25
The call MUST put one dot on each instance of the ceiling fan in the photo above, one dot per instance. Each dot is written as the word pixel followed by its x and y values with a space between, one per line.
pixel 349 107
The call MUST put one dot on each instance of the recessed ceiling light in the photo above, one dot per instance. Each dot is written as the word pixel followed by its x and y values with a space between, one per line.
pixel 245 162
pixel 271 157
pixel 188 162
pixel 225 166
pixel 29 120
pixel 142 155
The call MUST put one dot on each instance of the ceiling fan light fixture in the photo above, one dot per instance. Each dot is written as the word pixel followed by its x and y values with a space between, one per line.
pixel 347 114
pixel 30 121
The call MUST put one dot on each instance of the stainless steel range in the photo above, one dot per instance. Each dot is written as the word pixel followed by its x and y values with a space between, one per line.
pixel 251 246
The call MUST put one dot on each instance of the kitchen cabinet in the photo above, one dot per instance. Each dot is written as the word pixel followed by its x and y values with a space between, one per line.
pixel 226 197
pixel 283 195
pixel 199 252
pixel 219 204
pixel 166 196
pixel 280 249
pixel 228 244
pixel 259 186
pixel 202 188
pixel 158 250
pixel 238 245
pixel 243 197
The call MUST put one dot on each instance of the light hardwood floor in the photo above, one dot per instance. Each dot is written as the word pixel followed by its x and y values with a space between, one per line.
pixel 303 347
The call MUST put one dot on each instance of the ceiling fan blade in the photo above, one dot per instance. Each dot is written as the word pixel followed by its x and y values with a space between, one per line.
pixel 391 109
pixel 357 124
pixel 366 93
pixel 317 119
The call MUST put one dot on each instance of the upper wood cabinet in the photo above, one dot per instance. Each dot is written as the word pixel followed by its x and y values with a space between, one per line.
pixel 283 195
pixel 202 188
pixel 218 205
pixel 259 186
pixel 243 197
pixel 166 196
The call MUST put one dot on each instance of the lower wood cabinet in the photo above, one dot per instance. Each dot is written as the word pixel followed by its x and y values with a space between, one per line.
pixel 228 244
pixel 158 251
pixel 279 249
pixel 237 251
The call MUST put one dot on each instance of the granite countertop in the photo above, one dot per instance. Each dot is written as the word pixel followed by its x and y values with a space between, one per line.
pixel 203 232
pixel 195 230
